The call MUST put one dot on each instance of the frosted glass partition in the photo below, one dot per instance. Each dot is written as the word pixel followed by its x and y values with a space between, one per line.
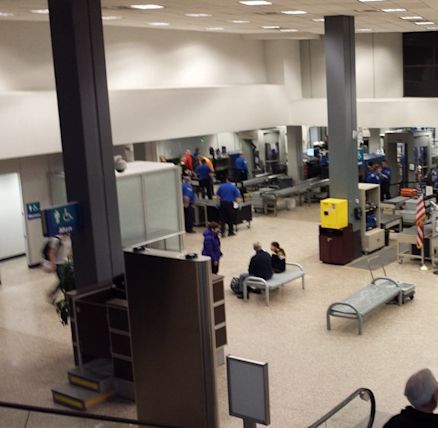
pixel 132 220
pixel 161 195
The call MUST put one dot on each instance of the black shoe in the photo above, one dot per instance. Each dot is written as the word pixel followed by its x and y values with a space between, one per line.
pixel 190 231
pixel 231 234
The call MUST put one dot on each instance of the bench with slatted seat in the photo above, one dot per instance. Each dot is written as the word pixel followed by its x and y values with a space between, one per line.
pixel 277 280
pixel 381 291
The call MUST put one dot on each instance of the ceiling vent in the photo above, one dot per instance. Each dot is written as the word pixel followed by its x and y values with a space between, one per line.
pixel 367 11
pixel 269 13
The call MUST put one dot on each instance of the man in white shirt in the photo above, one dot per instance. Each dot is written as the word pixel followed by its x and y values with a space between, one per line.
pixel 60 253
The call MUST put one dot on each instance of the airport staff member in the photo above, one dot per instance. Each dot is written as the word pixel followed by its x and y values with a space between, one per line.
pixel 385 185
pixel 241 167
pixel 228 194
pixel 373 176
pixel 189 200
pixel 204 172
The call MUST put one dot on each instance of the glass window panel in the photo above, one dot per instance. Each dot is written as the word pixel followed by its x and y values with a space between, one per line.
pixel 132 221
pixel 162 204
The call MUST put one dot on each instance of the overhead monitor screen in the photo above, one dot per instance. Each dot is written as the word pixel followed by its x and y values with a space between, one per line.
pixel 248 390
pixel 311 152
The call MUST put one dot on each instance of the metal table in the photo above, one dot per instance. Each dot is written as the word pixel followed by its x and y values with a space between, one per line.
pixel 207 210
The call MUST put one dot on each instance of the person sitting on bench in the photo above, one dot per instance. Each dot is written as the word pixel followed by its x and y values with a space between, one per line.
pixel 422 392
pixel 278 258
pixel 260 265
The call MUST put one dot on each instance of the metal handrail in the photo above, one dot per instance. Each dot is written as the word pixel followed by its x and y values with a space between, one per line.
pixel 67 413
pixel 340 406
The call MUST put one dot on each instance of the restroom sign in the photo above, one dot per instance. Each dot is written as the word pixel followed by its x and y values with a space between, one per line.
pixel 61 219
pixel 33 210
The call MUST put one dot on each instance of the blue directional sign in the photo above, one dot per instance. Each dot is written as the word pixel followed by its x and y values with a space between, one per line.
pixel 33 210
pixel 61 219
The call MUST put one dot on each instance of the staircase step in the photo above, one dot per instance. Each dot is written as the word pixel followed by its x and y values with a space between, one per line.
pixel 78 398
pixel 96 376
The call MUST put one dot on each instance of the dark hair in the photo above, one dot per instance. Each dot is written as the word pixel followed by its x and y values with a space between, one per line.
pixel 213 225
pixel 275 244
pixel 203 160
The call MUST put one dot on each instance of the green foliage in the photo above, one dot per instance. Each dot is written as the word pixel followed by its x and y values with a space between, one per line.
pixel 67 284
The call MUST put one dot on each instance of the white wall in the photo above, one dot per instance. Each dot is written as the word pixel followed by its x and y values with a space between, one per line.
pixel 137 58
pixel 379 66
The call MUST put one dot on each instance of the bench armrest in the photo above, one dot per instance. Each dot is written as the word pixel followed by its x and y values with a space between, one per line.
pixel 254 279
pixel 384 278
pixel 329 310
pixel 296 265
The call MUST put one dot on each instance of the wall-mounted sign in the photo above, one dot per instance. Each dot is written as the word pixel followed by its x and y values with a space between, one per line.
pixel 61 219
pixel 33 210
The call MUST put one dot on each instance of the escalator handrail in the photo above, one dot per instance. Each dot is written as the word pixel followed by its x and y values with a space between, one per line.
pixel 79 415
pixel 341 405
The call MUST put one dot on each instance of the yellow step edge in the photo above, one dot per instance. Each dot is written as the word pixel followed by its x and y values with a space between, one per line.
pixel 98 399
pixel 72 402
pixel 83 382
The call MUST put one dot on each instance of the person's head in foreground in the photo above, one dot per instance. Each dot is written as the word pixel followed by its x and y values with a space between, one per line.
pixel 422 391
pixel 257 246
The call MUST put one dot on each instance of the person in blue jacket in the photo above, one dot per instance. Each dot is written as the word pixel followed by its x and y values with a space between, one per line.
pixel 373 175
pixel 228 195
pixel 212 245
pixel 385 185
pixel 189 200
pixel 204 173
pixel 241 167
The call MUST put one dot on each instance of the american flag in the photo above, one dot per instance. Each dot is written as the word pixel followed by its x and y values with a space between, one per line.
pixel 419 219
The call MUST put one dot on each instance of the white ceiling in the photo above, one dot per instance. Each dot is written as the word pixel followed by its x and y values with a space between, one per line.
pixel 368 15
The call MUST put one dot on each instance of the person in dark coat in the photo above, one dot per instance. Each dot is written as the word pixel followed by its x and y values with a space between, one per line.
pixel 278 258
pixel 212 245
pixel 422 392
pixel 261 263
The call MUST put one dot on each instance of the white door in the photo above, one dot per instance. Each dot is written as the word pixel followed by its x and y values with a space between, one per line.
pixel 11 217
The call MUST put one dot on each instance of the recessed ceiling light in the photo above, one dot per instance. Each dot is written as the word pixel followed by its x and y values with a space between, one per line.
pixel 294 12
pixel 364 30
pixel 40 11
pixel 215 28
pixel 5 14
pixel 159 24
pixel 397 9
pixel 318 20
pixel 111 18
pixel 255 2
pixel 411 18
pixel 239 21
pixel 288 30
pixel 146 6
pixel 271 27
pixel 425 23
pixel 198 15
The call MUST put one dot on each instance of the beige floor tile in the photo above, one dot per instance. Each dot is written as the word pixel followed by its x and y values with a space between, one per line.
pixel 311 370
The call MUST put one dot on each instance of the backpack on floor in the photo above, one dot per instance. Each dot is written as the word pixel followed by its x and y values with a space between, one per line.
pixel 235 286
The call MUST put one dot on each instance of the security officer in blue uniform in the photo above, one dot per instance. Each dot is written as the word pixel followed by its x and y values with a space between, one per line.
pixel 373 176
pixel 189 200
pixel 204 173
pixel 241 167
pixel 228 194
pixel 385 185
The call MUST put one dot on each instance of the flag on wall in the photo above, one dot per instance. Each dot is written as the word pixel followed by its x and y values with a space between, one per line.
pixel 419 220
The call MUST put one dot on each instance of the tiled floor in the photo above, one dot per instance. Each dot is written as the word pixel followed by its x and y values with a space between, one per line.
pixel 311 369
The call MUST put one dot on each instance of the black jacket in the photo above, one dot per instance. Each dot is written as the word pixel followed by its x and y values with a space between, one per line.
pixel 261 265
pixel 412 418
pixel 279 262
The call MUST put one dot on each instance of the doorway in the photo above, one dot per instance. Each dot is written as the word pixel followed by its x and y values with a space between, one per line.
pixel 12 241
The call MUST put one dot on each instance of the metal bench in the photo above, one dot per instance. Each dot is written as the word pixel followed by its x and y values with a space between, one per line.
pixel 381 291
pixel 277 281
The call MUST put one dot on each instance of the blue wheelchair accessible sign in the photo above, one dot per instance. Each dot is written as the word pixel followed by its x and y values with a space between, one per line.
pixel 61 219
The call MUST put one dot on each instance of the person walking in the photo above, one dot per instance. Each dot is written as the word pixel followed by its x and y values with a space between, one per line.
pixel 60 253
pixel 212 245
pixel 228 195
pixel 189 200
